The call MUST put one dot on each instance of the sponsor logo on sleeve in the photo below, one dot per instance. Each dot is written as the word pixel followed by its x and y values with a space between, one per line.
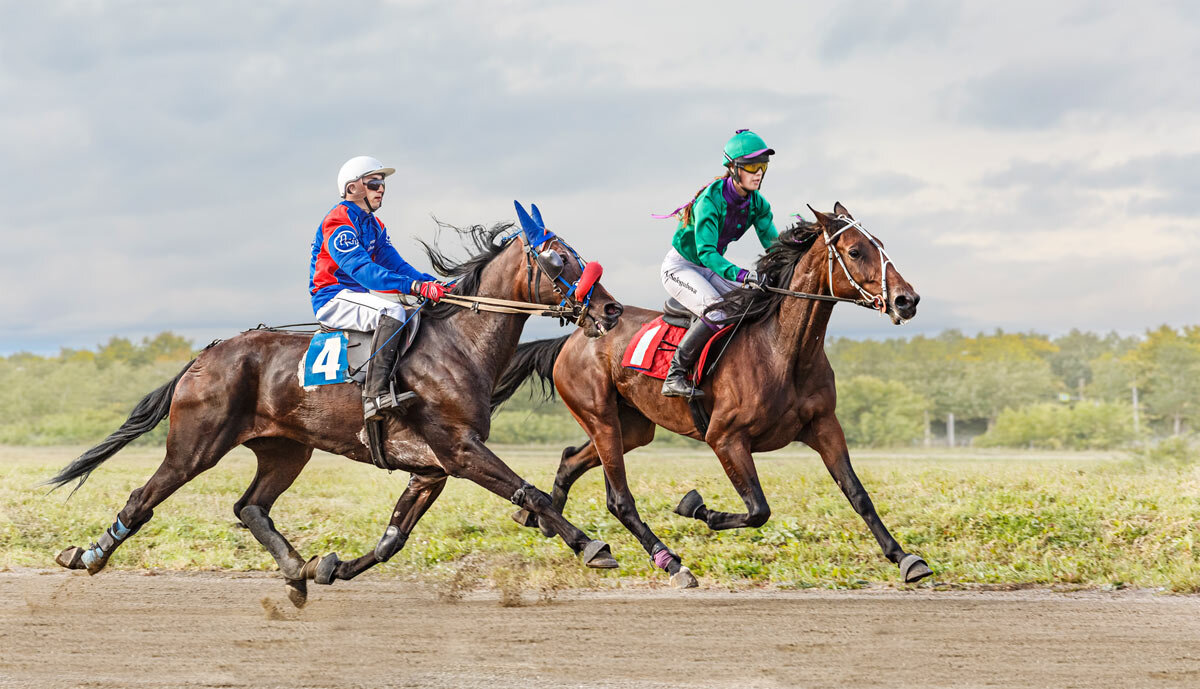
pixel 345 240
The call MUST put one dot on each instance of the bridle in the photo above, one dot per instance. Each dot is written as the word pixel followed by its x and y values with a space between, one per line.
pixel 549 262
pixel 876 302
pixel 571 307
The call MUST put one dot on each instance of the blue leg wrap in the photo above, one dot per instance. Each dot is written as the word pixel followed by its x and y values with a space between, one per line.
pixel 107 543
pixel 119 530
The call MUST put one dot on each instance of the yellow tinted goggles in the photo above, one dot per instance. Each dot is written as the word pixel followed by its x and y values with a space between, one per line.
pixel 754 168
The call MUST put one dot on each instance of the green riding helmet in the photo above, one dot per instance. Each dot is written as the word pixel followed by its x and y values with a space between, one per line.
pixel 744 146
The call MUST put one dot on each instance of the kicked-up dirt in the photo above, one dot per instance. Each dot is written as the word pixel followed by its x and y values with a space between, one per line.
pixel 132 629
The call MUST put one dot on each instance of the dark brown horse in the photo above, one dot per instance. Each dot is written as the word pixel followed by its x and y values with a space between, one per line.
pixel 248 391
pixel 774 385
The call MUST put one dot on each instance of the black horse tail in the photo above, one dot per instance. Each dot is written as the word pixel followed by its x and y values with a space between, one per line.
pixel 145 416
pixel 531 357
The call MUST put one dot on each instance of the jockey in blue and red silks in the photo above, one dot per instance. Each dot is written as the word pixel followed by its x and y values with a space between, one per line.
pixel 695 271
pixel 352 257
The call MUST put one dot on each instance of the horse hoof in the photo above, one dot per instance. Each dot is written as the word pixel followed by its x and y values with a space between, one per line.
pixel 297 591
pixel 525 518
pixel 684 579
pixel 292 566
pixel 597 555
pixel 913 569
pixel 690 503
pixel 71 558
pixel 325 569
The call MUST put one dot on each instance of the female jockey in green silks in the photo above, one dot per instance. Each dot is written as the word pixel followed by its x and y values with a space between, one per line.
pixel 695 271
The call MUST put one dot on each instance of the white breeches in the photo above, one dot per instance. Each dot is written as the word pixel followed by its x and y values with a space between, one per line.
pixel 349 310
pixel 696 287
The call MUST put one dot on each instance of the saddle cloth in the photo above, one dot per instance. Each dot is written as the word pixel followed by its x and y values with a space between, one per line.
pixel 358 347
pixel 652 347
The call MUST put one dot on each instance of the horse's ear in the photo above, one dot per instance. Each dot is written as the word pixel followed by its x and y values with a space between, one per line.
pixel 537 216
pixel 839 209
pixel 527 224
pixel 822 219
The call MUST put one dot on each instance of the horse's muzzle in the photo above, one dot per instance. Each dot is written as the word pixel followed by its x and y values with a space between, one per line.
pixel 904 306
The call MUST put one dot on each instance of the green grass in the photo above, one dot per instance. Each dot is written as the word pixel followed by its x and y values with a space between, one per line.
pixel 1071 519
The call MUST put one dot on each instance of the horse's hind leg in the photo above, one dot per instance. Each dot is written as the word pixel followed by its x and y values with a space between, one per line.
pixel 614 436
pixel 280 461
pixel 417 498
pixel 637 431
pixel 191 450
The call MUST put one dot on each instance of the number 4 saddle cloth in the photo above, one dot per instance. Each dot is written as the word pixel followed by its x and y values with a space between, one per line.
pixel 652 347
pixel 340 356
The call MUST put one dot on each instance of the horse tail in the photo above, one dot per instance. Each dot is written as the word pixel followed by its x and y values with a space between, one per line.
pixel 531 357
pixel 145 416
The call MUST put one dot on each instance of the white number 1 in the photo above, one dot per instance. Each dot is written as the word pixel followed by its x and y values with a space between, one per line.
pixel 329 360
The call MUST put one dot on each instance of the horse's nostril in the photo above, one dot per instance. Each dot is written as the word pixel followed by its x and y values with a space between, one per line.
pixel 902 301
pixel 613 310
pixel 916 299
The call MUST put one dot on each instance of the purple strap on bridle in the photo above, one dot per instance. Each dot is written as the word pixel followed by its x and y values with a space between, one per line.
pixel 662 558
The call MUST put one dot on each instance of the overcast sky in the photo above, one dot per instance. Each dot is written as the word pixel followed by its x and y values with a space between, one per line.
pixel 1030 165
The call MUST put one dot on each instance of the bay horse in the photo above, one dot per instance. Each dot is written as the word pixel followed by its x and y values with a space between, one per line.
pixel 774 385
pixel 249 391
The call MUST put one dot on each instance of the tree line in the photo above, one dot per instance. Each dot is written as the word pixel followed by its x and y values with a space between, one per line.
pixel 1080 390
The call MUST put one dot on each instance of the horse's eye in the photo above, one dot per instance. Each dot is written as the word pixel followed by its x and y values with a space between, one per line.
pixel 854 253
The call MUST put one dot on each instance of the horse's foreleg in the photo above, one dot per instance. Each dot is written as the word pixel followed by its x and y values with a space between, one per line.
pixel 738 463
pixel 824 434
pixel 420 494
pixel 575 462
pixel 465 456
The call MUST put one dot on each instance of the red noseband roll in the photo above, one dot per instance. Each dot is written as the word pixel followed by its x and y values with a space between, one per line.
pixel 591 275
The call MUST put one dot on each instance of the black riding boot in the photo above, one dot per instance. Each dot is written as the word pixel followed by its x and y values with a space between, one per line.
pixel 686 353
pixel 378 391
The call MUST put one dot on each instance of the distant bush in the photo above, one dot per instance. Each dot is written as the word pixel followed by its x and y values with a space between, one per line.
pixel 80 396
pixel 1179 450
pixel 525 427
pixel 1084 426
pixel 880 413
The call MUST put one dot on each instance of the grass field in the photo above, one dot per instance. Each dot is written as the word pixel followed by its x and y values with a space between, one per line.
pixel 1077 520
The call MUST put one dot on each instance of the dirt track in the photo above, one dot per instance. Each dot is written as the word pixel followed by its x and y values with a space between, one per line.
pixel 126 629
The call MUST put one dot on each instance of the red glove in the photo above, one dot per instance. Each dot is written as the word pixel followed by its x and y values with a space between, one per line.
pixel 430 290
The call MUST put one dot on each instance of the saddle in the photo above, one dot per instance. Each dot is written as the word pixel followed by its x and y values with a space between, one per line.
pixel 653 346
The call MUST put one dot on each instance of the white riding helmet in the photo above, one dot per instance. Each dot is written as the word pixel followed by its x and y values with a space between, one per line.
pixel 358 167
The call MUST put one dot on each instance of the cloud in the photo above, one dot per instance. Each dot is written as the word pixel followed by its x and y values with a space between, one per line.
pixel 883 27
pixel 1040 96
pixel 166 165
pixel 1163 184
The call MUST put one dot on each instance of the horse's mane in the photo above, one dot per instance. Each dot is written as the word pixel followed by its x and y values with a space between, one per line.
pixel 776 266
pixel 469 272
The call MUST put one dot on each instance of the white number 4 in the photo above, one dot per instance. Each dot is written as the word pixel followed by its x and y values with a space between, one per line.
pixel 330 358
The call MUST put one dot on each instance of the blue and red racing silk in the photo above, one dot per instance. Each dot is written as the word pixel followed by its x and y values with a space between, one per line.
pixel 352 251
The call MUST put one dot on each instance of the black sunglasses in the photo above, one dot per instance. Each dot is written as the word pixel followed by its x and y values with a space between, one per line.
pixel 374 184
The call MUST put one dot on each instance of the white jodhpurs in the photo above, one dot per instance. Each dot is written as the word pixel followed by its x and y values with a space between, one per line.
pixel 349 310
pixel 696 287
